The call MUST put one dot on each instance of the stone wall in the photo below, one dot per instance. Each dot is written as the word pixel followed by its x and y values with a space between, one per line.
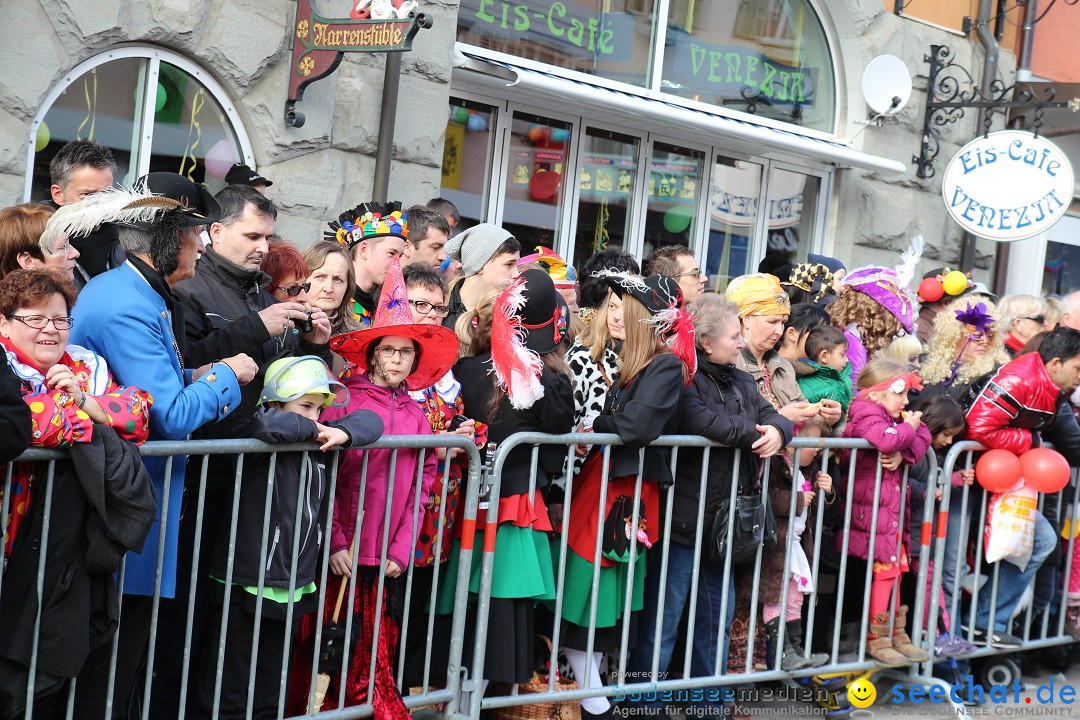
pixel 880 213
pixel 318 170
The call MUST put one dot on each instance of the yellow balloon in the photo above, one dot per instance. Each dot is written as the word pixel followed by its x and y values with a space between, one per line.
pixel 955 282
pixel 43 136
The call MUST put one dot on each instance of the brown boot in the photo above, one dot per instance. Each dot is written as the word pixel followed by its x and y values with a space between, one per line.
pixel 901 642
pixel 879 644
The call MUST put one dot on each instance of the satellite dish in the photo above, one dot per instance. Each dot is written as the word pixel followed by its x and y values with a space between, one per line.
pixel 886 84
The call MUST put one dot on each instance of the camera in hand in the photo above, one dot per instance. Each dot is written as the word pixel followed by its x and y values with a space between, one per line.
pixel 305 325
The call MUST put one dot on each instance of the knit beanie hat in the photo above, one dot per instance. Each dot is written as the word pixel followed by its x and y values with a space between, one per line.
pixel 475 246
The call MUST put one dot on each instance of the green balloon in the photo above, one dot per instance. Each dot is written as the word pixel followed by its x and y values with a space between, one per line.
pixel 41 141
pixel 162 96
pixel 678 218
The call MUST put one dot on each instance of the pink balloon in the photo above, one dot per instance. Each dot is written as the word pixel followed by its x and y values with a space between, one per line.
pixel 219 158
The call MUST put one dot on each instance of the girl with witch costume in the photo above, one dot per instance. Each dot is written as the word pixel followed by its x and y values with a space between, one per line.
pixel 386 360
pixel 880 308
pixel 657 360
pixel 520 336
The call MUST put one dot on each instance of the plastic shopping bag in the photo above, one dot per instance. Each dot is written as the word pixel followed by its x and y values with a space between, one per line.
pixel 1010 526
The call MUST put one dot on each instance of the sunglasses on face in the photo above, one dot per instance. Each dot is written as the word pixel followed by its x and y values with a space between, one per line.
pixel 1041 319
pixel 696 272
pixel 424 307
pixel 294 290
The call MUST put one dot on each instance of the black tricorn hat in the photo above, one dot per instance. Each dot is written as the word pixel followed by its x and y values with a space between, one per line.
pixel 545 315
pixel 656 292
pixel 196 205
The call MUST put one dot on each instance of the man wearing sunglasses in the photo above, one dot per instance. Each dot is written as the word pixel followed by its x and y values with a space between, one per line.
pixel 678 261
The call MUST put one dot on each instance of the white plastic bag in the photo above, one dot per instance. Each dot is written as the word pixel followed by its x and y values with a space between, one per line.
pixel 1010 526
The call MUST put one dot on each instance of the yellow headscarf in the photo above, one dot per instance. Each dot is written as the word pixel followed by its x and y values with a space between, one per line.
pixel 759 294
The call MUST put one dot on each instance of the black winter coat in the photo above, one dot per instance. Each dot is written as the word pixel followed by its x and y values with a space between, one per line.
pixel 15 423
pixel 723 405
pixel 553 414
pixel 103 504
pixel 639 414
pixel 290 478
pixel 222 304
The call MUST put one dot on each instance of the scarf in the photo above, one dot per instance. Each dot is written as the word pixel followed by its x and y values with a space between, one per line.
pixel 95 379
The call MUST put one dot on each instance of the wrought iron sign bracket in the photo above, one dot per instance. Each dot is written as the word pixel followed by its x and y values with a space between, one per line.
pixel 951 90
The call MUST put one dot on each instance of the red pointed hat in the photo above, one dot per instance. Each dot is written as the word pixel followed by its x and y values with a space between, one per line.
pixel 438 346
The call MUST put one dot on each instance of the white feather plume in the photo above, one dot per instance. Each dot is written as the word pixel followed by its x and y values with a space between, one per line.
pixel 111 206
pixel 625 280
pixel 905 271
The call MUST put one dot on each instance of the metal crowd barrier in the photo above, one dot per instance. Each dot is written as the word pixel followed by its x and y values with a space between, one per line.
pixel 940 540
pixel 193 607
pixel 961 521
pixel 624 686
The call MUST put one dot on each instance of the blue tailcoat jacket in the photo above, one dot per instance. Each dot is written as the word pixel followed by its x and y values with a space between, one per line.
pixel 119 316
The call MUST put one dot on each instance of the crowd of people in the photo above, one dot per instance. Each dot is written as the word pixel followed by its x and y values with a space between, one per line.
pixel 162 312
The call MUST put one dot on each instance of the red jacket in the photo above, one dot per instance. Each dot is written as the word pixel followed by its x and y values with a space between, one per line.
pixel 1019 400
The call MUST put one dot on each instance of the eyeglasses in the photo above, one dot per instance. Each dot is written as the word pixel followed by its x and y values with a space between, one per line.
pixel 387 353
pixel 294 290
pixel 40 322
pixel 424 307
pixel 1041 319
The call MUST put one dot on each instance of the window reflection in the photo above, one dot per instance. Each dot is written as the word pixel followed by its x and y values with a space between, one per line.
pixel 733 212
pixel 674 183
pixel 768 57
pixel 534 189
pixel 191 135
pixel 606 185
pixel 467 158
pixel 793 201
pixel 100 105
pixel 608 38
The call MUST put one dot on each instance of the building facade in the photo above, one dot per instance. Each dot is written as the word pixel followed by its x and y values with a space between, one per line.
pixel 737 127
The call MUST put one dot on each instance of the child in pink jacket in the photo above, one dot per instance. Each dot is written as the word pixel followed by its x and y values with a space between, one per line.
pixel 385 362
pixel 877 415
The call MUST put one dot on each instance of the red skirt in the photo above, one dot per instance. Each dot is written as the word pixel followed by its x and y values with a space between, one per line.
pixel 387 700
pixel 585 520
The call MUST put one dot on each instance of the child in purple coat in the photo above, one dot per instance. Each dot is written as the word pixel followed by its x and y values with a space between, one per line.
pixel 878 416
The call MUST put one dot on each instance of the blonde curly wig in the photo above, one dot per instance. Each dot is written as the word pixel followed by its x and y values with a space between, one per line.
pixel 877 325
pixel 948 340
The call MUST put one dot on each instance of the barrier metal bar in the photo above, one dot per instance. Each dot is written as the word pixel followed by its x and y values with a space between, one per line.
pixel 227 447
pixel 621 689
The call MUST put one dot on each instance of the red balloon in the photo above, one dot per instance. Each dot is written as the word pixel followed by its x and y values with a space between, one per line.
pixel 1045 470
pixel 931 290
pixel 998 470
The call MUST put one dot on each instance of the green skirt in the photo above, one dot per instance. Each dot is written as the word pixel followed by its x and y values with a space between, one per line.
pixel 522 567
pixel 611 599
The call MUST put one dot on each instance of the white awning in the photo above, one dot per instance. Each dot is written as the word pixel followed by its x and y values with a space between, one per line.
pixel 630 110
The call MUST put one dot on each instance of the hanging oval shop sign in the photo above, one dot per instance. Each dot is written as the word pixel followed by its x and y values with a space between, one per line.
pixel 1008 185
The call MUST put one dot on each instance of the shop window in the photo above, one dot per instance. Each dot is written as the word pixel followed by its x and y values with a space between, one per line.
pixel 612 39
pixel 534 192
pixel 768 57
pixel 154 110
pixel 467 158
pixel 792 206
pixel 607 184
pixel 733 215
pixel 675 176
